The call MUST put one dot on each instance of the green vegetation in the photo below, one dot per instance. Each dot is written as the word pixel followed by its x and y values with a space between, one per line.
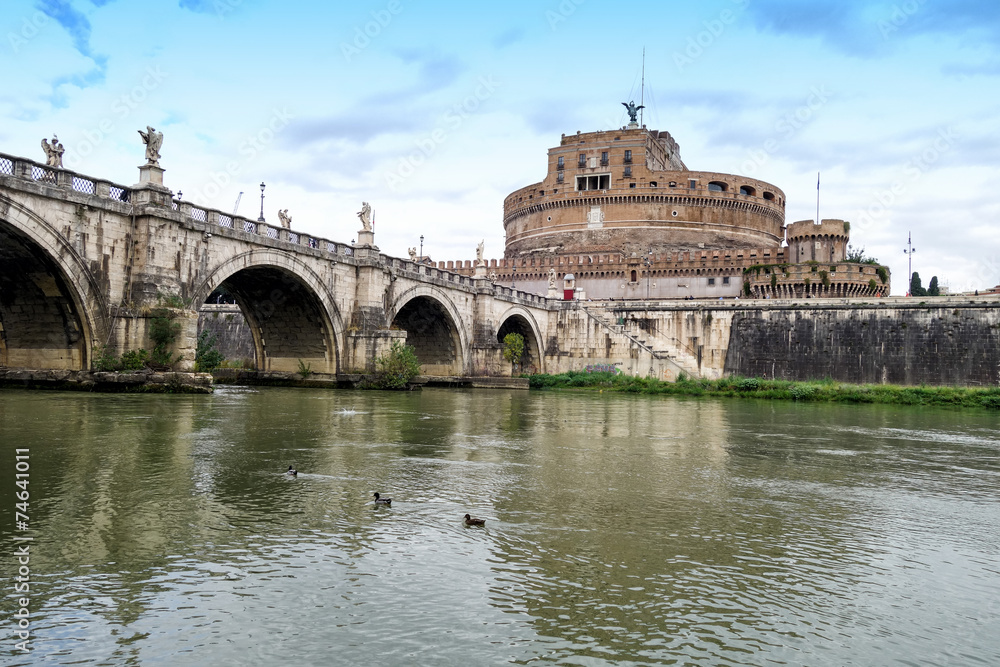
pixel 932 287
pixel 883 275
pixel 163 331
pixel 395 369
pixel 305 370
pixel 206 357
pixel 823 391
pixel 513 348
pixel 131 360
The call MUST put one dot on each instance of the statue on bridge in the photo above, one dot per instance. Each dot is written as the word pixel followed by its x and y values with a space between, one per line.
pixel 552 278
pixel 413 254
pixel 285 219
pixel 633 110
pixel 53 152
pixel 480 249
pixel 153 141
pixel 365 214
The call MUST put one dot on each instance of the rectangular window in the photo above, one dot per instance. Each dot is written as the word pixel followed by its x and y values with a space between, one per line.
pixel 628 156
pixel 583 159
pixel 711 281
pixel 725 280
pixel 559 177
pixel 628 172
pixel 604 159
pixel 595 182
pixel 692 184
pixel 562 162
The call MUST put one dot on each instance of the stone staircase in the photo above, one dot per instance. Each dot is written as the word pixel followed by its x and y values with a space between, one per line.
pixel 659 347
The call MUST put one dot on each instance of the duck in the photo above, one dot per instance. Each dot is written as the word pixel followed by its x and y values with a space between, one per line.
pixel 469 521
pixel 292 471
pixel 382 501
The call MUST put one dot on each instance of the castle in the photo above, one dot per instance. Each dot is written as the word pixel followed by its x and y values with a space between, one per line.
pixel 620 216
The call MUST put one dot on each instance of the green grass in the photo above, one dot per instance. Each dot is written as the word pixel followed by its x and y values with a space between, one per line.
pixel 820 391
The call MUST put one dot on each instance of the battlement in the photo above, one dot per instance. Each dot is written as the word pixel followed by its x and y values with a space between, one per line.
pixel 829 227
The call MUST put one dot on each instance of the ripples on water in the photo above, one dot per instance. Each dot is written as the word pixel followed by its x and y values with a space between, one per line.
pixel 620 530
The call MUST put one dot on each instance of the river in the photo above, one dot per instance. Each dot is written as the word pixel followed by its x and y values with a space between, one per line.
pixel 619 530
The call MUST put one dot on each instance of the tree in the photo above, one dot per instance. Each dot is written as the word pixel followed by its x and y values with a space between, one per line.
pixel 513 347
pixel 932 287
pixel 858 255
pixel 207 358
pixel 915 288
pixel 396 368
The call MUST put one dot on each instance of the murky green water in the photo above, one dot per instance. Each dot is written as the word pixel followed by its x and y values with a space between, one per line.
pixel 620 530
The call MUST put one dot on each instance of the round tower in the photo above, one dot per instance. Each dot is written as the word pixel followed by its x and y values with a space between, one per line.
pixel 825 242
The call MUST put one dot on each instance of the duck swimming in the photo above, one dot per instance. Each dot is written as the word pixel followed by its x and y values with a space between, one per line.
pixel 469 521
pixel 382 501
pixel 292 471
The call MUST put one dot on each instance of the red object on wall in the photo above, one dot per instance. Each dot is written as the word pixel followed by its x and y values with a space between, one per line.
pixel 568 294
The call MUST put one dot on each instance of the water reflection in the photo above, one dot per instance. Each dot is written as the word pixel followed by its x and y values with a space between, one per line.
pixel 619 529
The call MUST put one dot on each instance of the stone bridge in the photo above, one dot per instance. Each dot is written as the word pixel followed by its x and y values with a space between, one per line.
pixel 86 263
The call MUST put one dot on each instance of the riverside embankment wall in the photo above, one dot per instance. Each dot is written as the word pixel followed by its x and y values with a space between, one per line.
pixel 936 341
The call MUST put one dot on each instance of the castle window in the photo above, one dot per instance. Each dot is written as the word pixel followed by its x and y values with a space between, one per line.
pixel 717 186
pixel 559 177
pixel 652 184
pixel 628 172
pixel 725 280
pixel 692 184
pixel 632 185
pixel 747 190
pixel 673 184
pixel 562 162
pixel 628 156
pixel 583 160
pixel 595 182
pixel 604 159
pixel 634 276
pixel 711 282
pixel 769 196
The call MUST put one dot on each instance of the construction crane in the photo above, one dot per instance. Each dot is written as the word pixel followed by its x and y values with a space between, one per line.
pixel 237 206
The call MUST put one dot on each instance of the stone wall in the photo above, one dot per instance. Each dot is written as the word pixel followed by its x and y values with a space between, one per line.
pixel 232 333
pixel 952 343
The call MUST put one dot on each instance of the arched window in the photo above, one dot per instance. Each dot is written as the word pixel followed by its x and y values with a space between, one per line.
pixel 717 186
pixel 635 276
pixel 769 196
pixel 747 190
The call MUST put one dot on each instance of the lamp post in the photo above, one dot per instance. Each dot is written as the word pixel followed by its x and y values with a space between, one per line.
pixel 909 250
pixel 261 218
pixel 420 258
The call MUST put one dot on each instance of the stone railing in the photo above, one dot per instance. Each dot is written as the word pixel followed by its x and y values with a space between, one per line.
pixel 29 170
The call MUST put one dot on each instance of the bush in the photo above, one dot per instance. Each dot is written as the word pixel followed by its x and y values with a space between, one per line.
pixel 206 357
pixel 104 360
pixel 163 331
pixel 748 384
pixel 396 368
pixel 134 360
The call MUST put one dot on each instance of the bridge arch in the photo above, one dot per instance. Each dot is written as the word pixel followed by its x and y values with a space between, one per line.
pixel 52 306
pixel 520 320
pixel 291 312
pixel 434 329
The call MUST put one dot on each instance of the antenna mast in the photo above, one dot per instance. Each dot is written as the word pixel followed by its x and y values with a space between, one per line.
pixel 817 199
pixel 642 94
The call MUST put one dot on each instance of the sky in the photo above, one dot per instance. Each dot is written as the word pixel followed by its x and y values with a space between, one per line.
pixel 434 111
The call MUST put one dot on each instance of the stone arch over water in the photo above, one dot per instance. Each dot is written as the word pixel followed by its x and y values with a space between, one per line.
pixel 433 328
pixel 292 316
pixel 520 321
pixel 52 308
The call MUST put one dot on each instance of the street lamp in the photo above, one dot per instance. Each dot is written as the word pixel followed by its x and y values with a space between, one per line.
pixel 420 258
pixel 261 218
pixel 909 250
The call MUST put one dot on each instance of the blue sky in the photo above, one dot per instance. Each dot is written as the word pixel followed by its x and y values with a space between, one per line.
pixel 434 111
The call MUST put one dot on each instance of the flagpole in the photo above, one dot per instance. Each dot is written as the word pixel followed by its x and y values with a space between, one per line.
pixel 817 198
pixel 642 94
